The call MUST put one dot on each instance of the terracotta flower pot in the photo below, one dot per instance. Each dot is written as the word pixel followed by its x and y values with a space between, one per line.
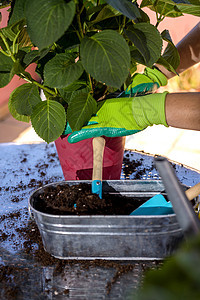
pixel 77 159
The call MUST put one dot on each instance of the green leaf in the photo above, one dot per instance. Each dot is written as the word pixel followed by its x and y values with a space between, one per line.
pixel 163 7
pixel 24 98
pixel 34 55
pixel 17 11
pixel 106 57
pixel 69 40
pixel 189 9
pixel 47 21
pixel 74 86
pixel 17 34
pixel 49 120
pixel 182 1
pixel 170 54
pixel 147 40
pixel 136 56
pixel 62 70
pixel 14 113
pixel 195 2
pixel 23 39
pixel 105 13
pixel 166 36
pixel 126 7
pixel 6 65
pixel 81 107
pixel 12 30
pixel 164 63
pixel 16 69
pixel 68 92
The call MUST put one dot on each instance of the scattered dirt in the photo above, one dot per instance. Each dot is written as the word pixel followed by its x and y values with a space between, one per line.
pixel 11 277
pixel 61 200
pixel 10 280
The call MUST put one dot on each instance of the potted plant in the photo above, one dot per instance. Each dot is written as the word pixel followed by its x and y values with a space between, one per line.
pixel 84 50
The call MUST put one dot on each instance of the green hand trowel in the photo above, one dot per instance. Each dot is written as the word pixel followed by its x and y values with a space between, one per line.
pixel 157 205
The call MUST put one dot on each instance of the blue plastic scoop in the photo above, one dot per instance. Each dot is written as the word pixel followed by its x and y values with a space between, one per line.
pixel 157 205
pixel 98 151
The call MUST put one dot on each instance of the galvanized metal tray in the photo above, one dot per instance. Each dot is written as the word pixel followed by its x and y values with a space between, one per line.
pixel 110 237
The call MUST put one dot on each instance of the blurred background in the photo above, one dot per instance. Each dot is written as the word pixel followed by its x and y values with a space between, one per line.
pixel 182 146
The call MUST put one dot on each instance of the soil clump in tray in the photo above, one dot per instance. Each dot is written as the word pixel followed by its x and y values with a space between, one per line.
pixel 79 200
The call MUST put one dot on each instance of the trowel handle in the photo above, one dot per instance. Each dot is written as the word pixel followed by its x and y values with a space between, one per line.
pixel 98 150
pixel 193 192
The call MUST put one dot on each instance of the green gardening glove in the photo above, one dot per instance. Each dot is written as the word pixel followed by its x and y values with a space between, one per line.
pixel 145 83
pixel 123 116
pixel 141 84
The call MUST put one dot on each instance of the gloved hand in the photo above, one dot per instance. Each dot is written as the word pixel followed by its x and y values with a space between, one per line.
pixel 142 84
pixel 124 116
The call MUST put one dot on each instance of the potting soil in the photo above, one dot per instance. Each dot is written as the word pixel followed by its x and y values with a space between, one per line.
pixel 79 200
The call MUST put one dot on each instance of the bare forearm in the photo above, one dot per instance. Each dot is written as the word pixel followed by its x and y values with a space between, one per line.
pixel 183 110
pixel 189 51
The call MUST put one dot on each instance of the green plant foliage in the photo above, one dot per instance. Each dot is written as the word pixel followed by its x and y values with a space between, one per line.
pixel 126 7
pixel 106 57
pixel 69 92
pixel 81 107
pixel 15 115
pixel 178 278
pixel 47 21
pixel 188 9
pixel 83 50
pixel 17 13
pixel 163 7
pixel 49 120
pixel 170 54
pixel 34 56
pixel 6 65
pixel 11 31
pixel 147 40
pixel 62 70
pixel 105 13
pixel 24 98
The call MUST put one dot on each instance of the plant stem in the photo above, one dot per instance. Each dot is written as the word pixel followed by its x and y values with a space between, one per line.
pixel 41 86
pixel 82 8
pixel 78 17
pixel 90 82
pixel 14 43
pixel 10 54
pixel 23 75
pixel 123 25
pixel 2 51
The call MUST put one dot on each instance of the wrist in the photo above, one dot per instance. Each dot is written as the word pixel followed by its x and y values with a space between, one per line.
pixel 149 110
